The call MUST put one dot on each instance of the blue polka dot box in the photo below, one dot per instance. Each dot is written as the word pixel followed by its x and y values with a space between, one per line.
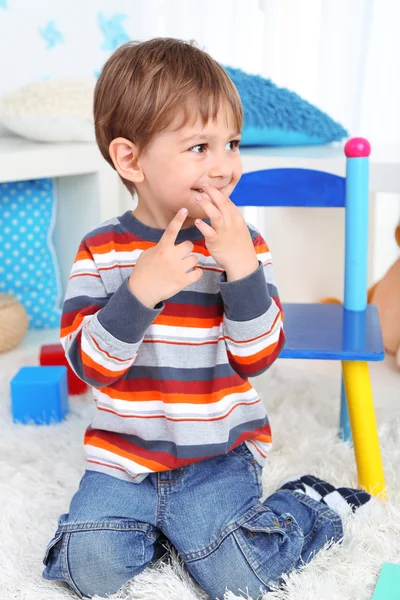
pixel 28 264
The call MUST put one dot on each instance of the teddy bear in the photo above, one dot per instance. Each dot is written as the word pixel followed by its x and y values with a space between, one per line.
pixel 385 294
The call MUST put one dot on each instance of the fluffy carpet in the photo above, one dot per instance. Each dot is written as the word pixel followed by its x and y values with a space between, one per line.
pixel 40 468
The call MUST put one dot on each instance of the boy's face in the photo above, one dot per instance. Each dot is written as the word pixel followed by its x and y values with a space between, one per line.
pixel 175 168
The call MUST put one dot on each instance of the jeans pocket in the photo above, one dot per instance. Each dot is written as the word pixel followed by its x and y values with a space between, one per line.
pixel 53 548
pixel 271 544
pixel 243 450
pixel 256 469
pixel 259 472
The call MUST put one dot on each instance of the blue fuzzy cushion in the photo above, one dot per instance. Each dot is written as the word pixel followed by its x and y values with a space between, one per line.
pixel 275 116
pixel 28 266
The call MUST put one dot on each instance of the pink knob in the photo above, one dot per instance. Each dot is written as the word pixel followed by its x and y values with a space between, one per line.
pixel 357 148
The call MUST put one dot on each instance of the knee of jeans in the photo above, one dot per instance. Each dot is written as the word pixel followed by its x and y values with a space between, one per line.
pixel 310 514
pixel 249 556
pixel 98 561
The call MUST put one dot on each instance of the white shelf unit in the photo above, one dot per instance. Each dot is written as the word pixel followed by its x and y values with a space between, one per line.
pixel 88 190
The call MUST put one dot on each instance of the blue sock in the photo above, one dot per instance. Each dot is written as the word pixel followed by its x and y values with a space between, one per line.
pixel 343 500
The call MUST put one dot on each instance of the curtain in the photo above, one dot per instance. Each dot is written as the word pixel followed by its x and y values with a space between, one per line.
pixel 343 56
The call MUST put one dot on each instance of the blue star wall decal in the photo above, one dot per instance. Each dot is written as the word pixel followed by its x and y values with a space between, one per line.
pixel 51 35
pixel 113 31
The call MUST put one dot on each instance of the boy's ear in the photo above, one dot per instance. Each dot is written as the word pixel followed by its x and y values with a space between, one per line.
pixel 124 155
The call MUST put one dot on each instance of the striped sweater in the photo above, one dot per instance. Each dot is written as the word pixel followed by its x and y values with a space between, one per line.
pixel 171 384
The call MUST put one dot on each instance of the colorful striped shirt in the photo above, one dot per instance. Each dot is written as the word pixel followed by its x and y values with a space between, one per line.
pixel 170 383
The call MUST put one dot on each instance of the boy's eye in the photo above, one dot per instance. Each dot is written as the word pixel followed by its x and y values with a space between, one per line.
pixel 236 145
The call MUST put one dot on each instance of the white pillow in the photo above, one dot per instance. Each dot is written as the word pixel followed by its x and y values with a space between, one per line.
pixel 54 110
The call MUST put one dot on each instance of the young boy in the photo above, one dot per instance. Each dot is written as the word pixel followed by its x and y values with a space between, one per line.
pixel 170 309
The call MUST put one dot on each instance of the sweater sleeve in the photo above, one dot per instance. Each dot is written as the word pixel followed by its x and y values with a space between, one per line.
pixel 253 316
pixel 101 333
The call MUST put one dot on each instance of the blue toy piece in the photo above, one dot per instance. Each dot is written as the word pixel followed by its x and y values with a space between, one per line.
pixel 350 333
pixel 388 585
pixel 39 395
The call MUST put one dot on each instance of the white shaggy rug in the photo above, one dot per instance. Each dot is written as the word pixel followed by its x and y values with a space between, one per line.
pixel 40 468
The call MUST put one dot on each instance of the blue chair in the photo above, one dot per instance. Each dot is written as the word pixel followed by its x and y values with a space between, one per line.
pixel 350 333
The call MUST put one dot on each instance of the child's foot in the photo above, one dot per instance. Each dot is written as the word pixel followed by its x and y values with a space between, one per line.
pixel 343 500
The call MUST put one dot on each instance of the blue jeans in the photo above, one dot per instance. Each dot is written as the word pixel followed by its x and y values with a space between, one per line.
pixel 210 511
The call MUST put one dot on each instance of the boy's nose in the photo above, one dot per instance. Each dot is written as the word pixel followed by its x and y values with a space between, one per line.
pixel 220 168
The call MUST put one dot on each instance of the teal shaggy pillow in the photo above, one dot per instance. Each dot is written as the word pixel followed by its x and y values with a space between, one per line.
pixel 275 116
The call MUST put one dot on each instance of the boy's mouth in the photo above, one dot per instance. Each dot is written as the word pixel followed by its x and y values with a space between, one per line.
pixel 201 189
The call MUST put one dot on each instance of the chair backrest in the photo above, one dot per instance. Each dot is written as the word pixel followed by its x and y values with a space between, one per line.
pixel 290 187
pixel 311 188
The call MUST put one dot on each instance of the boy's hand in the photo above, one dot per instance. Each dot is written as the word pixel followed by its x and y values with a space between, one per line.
pixel 228 240
pixel 165 269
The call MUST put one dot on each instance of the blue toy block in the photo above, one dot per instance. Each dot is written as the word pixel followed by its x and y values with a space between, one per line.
pixel 388 585
pixel 39 395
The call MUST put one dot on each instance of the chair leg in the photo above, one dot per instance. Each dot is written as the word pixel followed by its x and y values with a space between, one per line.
pixel 363 427
pixel 344 427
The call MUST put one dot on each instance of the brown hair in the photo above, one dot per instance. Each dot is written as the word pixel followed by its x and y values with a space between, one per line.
pixel 144 85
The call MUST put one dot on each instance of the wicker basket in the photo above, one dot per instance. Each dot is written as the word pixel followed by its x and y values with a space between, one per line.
pixel 13 322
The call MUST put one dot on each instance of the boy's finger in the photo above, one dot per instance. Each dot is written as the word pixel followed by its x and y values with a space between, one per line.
pixel 171 233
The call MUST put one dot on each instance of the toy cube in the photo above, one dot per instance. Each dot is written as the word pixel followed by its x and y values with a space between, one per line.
pixel 53 354
pixel 39 395
pixel 388 584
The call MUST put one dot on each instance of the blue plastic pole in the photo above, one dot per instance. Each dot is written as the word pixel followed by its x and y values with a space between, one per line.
pixel 357 151
pixel 356 237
